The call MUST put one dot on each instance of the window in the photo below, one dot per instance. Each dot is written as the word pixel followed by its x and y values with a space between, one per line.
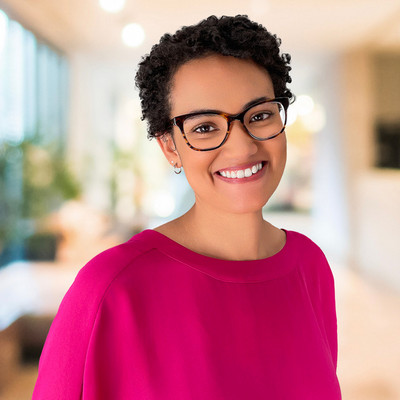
pixel 33 105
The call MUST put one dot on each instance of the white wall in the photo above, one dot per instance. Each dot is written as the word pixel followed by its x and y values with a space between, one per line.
pixel 378 216
pixel 331 198
pixel 374 194
pixel 356 214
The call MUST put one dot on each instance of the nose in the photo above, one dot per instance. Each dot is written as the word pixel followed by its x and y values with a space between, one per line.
pixel 239 141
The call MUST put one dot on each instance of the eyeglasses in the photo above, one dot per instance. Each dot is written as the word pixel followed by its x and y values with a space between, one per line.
pixel 209 130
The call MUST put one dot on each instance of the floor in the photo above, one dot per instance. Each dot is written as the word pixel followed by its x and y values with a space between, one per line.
pixel 369 338
pixel 21 387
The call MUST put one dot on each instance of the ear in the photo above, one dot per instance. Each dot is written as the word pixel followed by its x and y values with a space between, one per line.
pixel 167 145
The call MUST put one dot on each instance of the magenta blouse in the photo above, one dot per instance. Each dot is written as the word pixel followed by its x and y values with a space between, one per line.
pixel 152 320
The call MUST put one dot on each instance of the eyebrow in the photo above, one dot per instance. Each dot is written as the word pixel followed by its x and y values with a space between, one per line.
pixel 247 105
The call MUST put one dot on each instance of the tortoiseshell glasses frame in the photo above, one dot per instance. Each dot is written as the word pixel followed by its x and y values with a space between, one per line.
pixel 180 120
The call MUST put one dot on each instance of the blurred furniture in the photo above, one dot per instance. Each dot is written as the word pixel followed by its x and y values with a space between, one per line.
pixel 30 294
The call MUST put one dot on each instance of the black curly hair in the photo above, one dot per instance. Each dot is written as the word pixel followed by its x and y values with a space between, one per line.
pixel 229 36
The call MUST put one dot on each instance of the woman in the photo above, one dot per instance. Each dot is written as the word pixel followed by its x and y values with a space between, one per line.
pixel 219 303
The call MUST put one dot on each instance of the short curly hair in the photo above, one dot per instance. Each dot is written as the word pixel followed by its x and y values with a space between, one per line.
pixel 229 36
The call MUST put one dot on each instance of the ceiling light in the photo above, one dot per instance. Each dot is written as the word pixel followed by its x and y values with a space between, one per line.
pixel 305 104
pixel 133 35
pixel 112 6
pixel 316 120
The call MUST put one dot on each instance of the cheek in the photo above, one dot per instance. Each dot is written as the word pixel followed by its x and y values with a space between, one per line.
pixel 278 151
pixel 283 151
pixel 197 167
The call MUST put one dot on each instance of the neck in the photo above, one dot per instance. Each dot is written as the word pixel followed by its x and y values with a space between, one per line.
pixel 230 237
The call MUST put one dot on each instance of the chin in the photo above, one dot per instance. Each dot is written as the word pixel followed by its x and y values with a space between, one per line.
pixel 246 207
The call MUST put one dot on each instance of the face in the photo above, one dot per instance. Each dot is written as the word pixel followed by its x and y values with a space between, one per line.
pixel 226 84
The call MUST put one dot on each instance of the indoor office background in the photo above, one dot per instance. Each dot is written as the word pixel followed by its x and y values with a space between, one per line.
pixel 78 175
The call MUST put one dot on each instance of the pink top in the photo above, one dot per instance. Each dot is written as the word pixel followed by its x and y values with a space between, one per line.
pixel 151 319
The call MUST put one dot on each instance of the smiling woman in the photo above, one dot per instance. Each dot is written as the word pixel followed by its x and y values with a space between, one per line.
pixel 203 84
pixel 218 303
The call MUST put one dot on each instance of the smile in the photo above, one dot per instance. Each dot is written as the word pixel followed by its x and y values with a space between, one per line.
pixel 241 173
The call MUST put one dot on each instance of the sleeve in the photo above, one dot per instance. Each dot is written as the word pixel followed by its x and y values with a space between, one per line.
pixel 64 356
pixel 320 284
pixel 62 361
pixel 328 309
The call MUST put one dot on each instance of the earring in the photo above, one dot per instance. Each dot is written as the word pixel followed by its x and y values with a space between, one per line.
pixel 176 169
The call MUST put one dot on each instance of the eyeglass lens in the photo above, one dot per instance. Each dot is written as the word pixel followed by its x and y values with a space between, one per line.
pixel 205 131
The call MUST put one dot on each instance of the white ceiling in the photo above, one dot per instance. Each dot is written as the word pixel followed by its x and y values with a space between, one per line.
pixel 306 26
pixel 311 30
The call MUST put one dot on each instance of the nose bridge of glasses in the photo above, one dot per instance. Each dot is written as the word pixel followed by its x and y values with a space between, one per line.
pixel 238 139
pixel 243 135
pixel 236 117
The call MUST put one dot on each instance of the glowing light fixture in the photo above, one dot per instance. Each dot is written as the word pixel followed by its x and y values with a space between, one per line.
pixel 164 205
pixel 291 115
pixel 305 104
pixel 133 35
pixel 112 6
pixel 159 203
pixel 316 120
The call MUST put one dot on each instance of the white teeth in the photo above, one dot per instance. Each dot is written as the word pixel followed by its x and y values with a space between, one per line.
pixel 242 173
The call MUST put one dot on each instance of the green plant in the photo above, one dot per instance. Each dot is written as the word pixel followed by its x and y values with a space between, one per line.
pixel 34 181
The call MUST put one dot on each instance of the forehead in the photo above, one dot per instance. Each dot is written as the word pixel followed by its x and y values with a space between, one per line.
pixel 218 82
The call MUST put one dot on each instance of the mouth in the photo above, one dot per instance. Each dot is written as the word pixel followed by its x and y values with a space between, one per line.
pixel 242 173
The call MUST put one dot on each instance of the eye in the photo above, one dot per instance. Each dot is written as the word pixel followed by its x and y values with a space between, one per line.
pixel 260 116
pixel 204 128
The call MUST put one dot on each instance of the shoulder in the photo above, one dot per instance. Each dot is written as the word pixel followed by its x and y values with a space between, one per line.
pixel 97 275
pixel 63 356
pixel 315 272
pixel 310 258
pixel 303 244
pixel 305 248
pixel 86 293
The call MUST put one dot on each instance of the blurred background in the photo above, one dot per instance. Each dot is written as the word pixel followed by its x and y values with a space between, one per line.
pixel 78 174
